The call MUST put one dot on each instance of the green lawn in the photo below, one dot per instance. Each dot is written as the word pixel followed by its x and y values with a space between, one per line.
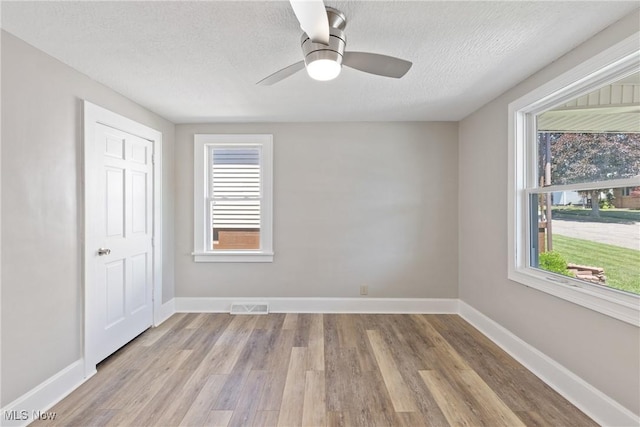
pixel 621 265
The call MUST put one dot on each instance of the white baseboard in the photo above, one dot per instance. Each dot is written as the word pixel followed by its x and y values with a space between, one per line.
pixel 323 305
pixel 591 401
pixel 166 310
pixel 35 404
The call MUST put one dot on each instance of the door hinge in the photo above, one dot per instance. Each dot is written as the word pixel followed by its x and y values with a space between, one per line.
pixel 153 159
pixel 153 242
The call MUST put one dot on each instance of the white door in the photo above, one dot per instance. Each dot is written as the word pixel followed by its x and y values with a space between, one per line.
pixel 119 289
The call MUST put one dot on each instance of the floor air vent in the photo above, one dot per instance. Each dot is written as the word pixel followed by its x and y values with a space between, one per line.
pixel 250 308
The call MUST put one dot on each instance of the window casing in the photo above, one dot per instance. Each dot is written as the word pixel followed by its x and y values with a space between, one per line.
pixel 620 60
pixel 233 198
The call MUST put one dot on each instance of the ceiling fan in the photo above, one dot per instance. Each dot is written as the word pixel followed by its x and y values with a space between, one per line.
pixel 323 43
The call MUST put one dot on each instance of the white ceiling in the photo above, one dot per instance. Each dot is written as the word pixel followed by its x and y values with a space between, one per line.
pixel 199 61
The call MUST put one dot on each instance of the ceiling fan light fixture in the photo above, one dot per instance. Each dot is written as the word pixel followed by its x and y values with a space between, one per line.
pixel 323 69
pixel 324 61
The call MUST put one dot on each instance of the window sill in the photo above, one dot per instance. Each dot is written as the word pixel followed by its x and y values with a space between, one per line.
pixel 619 305
pixel 233 256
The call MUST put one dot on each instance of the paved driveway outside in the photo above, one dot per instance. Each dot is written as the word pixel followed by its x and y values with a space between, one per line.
pixel 624 235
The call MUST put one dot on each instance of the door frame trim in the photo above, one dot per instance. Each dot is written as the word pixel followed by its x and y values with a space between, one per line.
pixel 94 114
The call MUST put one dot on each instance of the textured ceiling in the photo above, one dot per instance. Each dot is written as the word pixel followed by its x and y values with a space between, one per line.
pixel 199 61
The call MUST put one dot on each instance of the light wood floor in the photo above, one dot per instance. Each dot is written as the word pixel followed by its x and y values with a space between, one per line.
pixel 314 370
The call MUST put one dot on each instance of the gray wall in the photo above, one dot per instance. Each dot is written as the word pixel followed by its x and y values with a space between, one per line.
pixel 42 206
pixel 603 351
pixel 354 204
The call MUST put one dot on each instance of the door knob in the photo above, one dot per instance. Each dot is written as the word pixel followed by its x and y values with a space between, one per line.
pixel 104 251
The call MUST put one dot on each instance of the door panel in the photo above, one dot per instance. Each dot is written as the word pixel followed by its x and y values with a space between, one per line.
pixel 114 147
pixel 139 206
pixel 120 294
pixel 114 287
pixel 139 153
pixel 139 282
pixel 114 188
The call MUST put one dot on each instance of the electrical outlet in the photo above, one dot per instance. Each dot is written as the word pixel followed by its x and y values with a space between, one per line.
pixel 364 290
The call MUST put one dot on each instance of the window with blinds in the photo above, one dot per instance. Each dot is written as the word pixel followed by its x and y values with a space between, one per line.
pixel 235 198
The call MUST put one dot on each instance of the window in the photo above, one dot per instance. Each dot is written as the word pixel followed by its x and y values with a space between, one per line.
pixel 574 151
pixel 233 198
pixel 631 192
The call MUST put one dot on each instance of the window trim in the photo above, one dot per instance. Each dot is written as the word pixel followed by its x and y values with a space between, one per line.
pixel 202 143
pixel 622 58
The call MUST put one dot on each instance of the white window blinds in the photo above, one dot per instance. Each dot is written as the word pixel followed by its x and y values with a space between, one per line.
pixel 235 188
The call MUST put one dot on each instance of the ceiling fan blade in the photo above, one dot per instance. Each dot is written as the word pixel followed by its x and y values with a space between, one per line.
pixel 313 19
pixel 282 74
pixel 374 63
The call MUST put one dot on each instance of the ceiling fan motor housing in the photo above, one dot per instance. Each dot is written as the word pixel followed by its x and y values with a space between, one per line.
pixel 333 51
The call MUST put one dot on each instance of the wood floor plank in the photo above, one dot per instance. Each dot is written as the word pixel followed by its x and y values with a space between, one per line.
pixel 136 391
pixel 496 413
pixel 314 407
pixel 444 350
pixel 409 337
pixel 343 378
pixel 218 418
pixel 366 360
pixel 315 355
pixel 203 403
pixel 532 419
pixel 411 419
pixel 399 333
pixel 241 373
pixel 132 356
pixel 204 338
pixel 128 409
pixel 177 400
pixel 290 321
pixel 236 382
pixel 347 334
pixel 276 364
pixel 454 406
pixel 271 322
pixel 195 373
pixel 303 325
pixel 367 408
pixel 176 338
pixel 247 404
pixel 154 334
pixel 197 321
pixel 335 419
pixel 225 352
pixel 293 394
pixel 152 414
pixel 276 354
pixel 172 360
pixel 266 419
pixel 346 381
pixel 400 394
